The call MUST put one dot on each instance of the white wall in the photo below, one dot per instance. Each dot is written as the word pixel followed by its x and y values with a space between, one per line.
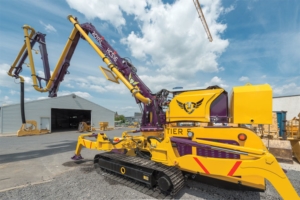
pixel 42 108
pixel 291 104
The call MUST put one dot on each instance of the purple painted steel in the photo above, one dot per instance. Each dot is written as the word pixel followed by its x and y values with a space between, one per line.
pixel 184 147
pixel 152 129
pixel 39 38
pixel 128 70
pixel 219 109
pixel 187 141
pixel 64 66
pixel 77 157
pixel 215 153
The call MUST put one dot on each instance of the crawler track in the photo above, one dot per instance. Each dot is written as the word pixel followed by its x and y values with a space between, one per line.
pixel 174 174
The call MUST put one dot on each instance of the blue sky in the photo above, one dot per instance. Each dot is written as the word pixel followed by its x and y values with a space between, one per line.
pixel 254 41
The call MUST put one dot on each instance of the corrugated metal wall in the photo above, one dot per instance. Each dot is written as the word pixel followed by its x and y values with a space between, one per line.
pixel 291 104
pixel 11 120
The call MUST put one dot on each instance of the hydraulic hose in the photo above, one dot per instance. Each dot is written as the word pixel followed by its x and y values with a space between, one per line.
pixel 153 137
pixel 22 100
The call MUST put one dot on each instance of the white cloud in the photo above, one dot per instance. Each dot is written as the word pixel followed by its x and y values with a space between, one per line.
pixel 69 85
pixel 96 80
pixel 48 27
pixel 141 69
pixel 216 81
pixel 157 82
pixel 97 88
pixel 118 88
pixel 13 92
pixel 110 10
pixel 229 9
pixel 5 80
pixel 85 95
pixel 95 84
pixel 286 89
pixel 39 98
pixel 263 76
pixel 6 98
pixel 170 36
pixel 40 73
pixel 244 78
pixel 221 69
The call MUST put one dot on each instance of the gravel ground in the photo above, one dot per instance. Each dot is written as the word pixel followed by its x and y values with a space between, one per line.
pixel 82 182
pixel 42 163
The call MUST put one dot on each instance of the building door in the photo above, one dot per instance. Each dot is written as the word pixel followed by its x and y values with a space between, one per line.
pixel 45 123
pixel 68 119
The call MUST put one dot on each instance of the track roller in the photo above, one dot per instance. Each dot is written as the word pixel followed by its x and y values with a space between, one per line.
pixel 154 178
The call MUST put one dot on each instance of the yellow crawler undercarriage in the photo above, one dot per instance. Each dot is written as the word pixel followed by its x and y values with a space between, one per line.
pixel 209 151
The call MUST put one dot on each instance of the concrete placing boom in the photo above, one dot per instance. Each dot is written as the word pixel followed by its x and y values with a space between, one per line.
pixel 172 145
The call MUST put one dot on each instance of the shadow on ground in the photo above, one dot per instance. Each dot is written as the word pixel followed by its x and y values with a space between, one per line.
pixel 75 163
pixel 211 192
pixel 52 149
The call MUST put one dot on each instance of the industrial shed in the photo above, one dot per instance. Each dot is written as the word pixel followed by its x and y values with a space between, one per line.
pixel 55 114
pixel 291 104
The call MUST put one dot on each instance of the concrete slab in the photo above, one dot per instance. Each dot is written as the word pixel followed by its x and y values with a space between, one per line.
pixel 35 159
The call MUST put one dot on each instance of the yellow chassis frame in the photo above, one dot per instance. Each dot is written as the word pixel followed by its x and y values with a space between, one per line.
pixel 262 164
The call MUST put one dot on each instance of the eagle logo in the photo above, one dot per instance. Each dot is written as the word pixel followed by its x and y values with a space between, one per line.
pixel 132 81
pixel 189 107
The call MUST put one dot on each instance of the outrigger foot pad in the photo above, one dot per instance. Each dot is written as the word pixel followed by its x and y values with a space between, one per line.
pixel 77 157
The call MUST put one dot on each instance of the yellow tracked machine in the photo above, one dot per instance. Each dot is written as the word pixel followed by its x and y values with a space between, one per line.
pixel 172 144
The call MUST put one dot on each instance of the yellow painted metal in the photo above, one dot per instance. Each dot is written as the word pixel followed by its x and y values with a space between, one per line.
pixel 192 105
pixel 255 162
pixel 21 51
pixel 134 125
pixel 293 128
pixel 109 75
pixel 266 166
pixel 28 45
pixel 103 143
pixel 252 148
pixel 294 136
pixel 152 133
pixel 251 104
pixel 134 89
pixel 30 128
pixel 54 75
pixel 84 127
pixel 254 165
pixel 296 148
pixel 28 36
pixel 103 126
pixel 257 182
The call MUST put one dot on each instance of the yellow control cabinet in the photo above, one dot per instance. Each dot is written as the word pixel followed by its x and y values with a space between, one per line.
pixel 192 105
pixel 251 104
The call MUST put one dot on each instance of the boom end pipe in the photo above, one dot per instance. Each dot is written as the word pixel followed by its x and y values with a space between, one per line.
pixel 22 100
pixel 25 26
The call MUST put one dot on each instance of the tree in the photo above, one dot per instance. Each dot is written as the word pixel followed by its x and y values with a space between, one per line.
pixel 120 118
